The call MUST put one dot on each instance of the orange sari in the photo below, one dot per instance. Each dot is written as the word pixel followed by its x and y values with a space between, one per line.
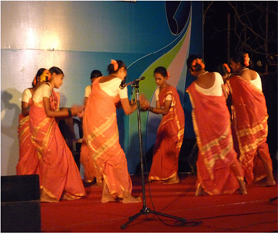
pixel 250 116
pixel 211 121
pixel 60 177
pixel 28 162
pixel 102 137
pixel 169 138
pixel 90 168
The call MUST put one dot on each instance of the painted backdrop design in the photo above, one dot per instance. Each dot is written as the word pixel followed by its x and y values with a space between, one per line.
pixel 79 37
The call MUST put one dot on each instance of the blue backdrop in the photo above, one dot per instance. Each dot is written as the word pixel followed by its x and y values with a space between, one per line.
pixel 81 36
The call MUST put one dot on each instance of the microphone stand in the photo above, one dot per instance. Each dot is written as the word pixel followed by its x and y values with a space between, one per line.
pixel 145 210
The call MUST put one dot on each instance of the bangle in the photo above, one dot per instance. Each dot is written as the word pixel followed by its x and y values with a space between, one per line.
pixel 69 110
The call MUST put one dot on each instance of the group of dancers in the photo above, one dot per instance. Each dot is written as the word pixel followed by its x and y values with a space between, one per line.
pixel 232 144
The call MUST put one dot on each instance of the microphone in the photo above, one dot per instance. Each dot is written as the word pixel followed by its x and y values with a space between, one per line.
pixel 139 79
pixel 123 84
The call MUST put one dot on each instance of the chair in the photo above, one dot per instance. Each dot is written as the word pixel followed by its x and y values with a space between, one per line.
pixel 69 127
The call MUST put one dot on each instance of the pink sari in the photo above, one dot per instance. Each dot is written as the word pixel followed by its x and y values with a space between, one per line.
pixel 169 139
pixel 90 168
pixel 60 177
pixel 211 121
pixel 250 123
pixel 28 162
pixel 102 136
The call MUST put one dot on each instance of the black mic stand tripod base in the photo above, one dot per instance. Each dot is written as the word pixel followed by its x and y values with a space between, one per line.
pixel 145 210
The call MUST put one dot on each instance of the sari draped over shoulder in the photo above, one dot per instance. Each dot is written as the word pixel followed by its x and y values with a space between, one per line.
pixel 28 162
pixel 101 134
pixel 211 121
pixel 60 177
pixel 249 119
pixel 169 138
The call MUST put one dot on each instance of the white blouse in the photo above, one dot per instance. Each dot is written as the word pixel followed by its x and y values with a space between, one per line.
pixel 257 82
pixel 112 88
pixel 43 90
pixel 26 95
pixel 215 90
pixel 88 90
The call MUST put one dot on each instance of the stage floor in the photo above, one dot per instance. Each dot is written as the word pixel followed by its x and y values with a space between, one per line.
pixel 253 212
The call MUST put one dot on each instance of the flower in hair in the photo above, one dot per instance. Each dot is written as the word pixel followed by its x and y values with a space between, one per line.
pixel 227 67
pixel 198 61
pixel 35 81
pixel 43 78
pixel 115 64
pixel 246 59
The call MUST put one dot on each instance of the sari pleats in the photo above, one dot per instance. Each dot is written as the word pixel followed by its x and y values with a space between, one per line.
pixel 211 121
pixel 28 162
pixel 169 139
pixel 90 168
pixel 60 177
pixel 102 137
pixel 249 120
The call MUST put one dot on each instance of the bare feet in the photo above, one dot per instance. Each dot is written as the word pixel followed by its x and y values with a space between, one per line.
pixel 108 198
pixel 242 188
pixel 269 183
pixel 155 181
pixel 199 191
pixel 130 199
pixel 173 180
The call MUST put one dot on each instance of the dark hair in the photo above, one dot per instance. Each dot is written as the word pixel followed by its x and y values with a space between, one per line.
pixel 95 74
pixel 55 70
pixel 238 57
pixel 39 73
pixel 110 67
pixel 161 70
pixel 197 67
pixel 221 69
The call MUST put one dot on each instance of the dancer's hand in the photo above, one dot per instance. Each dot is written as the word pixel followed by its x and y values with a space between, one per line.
pixel 76 110
pixel 81 115
pixel 144 103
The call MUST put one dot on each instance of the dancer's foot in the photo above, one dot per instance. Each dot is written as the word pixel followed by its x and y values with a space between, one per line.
pixel 199 191
pixel 155 181
pixel 173 180
pixel 108 198
pixel 242 187
pixel 269 183
pixel 130 199
pixel 106 195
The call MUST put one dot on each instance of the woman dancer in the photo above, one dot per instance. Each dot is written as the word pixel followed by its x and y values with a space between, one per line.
pixel 250 120
pixel 218 170
pixel 90 169
pixel 170 131
pixel 60 178
pixel 28 162
pixel 101 133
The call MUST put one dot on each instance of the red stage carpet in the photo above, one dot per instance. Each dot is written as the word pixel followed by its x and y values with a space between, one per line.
pixel 223 213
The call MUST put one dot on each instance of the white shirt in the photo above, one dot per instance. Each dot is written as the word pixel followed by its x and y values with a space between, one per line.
pixel 43 90
pixel 168 97
pixel 26 95
pixel 257 82
pixel 216 89
pixel 88 90
pixel 111 87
